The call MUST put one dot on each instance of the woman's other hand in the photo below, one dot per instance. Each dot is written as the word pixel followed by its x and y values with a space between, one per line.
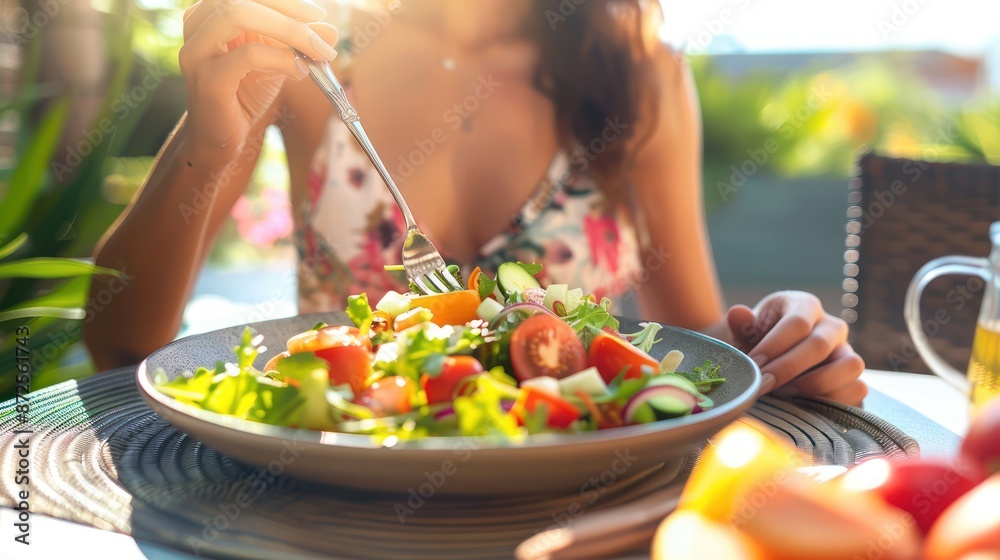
pixel 804 348
pixel 235 59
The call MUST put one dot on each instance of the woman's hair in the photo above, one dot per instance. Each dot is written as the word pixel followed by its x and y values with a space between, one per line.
pixel 595 64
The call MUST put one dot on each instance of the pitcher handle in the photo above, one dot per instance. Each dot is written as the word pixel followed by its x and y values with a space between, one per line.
pixel 943 266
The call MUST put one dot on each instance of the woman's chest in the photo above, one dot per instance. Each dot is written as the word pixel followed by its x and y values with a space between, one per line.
pixel 466 138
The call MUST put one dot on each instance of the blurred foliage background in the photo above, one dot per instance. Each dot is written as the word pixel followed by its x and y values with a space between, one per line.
pixel 92 90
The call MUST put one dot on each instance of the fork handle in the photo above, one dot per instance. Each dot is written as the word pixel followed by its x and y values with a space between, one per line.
pixel 323 75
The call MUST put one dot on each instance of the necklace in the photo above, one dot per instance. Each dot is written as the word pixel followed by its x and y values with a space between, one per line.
pixel 449 64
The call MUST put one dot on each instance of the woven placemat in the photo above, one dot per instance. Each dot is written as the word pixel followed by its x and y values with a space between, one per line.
pixel 101 457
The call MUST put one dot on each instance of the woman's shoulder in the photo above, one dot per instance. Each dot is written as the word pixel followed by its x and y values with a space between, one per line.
pixel 675 104
pixel 671 66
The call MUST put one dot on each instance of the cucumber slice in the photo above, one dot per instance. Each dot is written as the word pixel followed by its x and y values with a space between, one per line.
pixel 676 381
pixel 704 400
pixel 574 299
pixel 511 278
pixel 394 303
pixel 669 407
pixel 489 309
pixel 589 381
pixel 644 415
pixel 555 293
pixel 548 384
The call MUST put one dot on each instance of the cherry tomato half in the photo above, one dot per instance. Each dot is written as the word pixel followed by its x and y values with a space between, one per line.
pixel 344 349
pixel 561 413
pixel 388 396
pixel 441 388
pixel 610 355
pixel 544 345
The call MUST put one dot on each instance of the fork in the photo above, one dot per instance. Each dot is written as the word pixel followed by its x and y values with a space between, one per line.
pixel 421 260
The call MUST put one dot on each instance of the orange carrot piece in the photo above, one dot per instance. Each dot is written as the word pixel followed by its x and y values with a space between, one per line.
pixel 451 308
pixel 474 279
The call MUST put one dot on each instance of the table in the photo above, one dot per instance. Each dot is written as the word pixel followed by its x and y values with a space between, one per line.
pixel 899 398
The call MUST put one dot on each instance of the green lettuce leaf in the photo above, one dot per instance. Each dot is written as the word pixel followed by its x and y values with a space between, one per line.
pixel 481 414
pixel 311 376
pixel 620 390
pixel 188 388
pixel 646 338
pixel 486 286
pixel 530 268
pixel 705 377
pixel 590 319
pixel 422 350
pixel 358 309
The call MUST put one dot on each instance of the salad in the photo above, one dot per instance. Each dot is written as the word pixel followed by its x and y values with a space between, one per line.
pixel 503 358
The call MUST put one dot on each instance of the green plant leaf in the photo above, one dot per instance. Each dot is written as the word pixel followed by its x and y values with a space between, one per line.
pixel 58 375
pixel 14 245
pixel 28 177
pixel 71 293
pixel 74 313
pixel 51 268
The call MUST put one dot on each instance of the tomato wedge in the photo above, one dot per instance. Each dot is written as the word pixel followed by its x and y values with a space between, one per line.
pixel 388 396
pixel 544 345
pixel 441 388
pixel 344 349
pixel 561 413
pixel 272 364
pixel 610 355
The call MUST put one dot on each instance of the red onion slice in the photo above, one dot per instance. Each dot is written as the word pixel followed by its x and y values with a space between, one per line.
pixel 528 307
pixel 444 413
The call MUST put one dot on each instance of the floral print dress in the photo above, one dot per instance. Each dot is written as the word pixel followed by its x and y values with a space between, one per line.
pixel 350 228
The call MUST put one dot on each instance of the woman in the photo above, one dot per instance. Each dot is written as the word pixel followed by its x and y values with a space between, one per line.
pixel 600 118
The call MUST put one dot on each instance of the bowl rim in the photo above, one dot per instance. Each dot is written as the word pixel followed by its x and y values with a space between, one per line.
pixel 436 443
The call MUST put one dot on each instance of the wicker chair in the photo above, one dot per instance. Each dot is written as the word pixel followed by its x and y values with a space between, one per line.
pixel 902 214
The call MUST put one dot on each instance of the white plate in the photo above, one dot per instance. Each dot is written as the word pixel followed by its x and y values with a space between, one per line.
pixel 448 465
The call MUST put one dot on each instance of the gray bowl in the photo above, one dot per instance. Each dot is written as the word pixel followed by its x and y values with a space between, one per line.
pixel 541 463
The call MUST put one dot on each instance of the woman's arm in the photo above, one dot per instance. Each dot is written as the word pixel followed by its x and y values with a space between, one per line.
pixel 682 287
pixel 160 242
pixel 798 346
pixel 235 59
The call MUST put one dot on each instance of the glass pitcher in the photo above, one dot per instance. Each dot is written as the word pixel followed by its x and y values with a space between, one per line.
pixel 982 381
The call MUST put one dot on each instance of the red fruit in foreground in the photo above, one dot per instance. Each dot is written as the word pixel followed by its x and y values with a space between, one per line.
pixel 924 488
pixel 970 528
pixel 982 443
